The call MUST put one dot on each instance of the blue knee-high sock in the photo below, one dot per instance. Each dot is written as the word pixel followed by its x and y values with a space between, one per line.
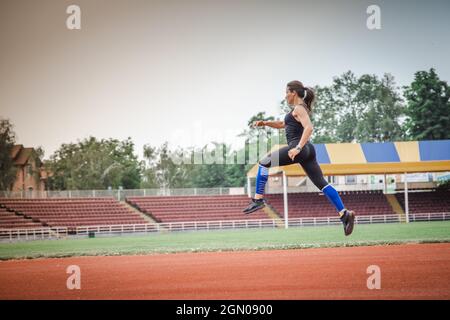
pixel 333 196
pixel 261 179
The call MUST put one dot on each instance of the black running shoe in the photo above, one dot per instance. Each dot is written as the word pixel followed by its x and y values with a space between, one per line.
pixel 256 204
pixel 348 219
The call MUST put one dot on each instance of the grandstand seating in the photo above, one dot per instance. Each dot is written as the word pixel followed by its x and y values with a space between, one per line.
pixel 73 212
pixel 210 208
pixel 426 201
pixel 195 208
pixel 10 220
pixel 317 205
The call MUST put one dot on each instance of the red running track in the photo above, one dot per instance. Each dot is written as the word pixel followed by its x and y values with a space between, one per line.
pixel 414 271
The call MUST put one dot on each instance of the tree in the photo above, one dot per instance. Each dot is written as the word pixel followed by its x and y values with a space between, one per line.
pixel 251 133
pixel 381 118
pixel 364 109
pixel 95 164
pixel 225 174
pixel 428 107
pixel 7 141
pixel 260 140
pixel 176 169
pixel 149 179
pixel 162 170
pixel 324 116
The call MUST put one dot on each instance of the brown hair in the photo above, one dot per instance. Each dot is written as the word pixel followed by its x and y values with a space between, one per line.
pixel 306 93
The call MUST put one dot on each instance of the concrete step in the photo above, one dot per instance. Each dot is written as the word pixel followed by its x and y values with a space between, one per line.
pixel 273 214
pixel 143 215
pixel 392 199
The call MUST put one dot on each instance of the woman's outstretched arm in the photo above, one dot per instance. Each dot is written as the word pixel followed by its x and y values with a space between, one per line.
pixel 272 124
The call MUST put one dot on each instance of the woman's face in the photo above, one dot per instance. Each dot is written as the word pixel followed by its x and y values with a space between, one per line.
pixel 290 96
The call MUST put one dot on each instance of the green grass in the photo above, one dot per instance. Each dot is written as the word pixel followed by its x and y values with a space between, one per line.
pixel 259 239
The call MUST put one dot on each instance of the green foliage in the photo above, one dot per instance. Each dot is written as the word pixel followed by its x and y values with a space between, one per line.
pixel 226 173
pixel 166 169
pixel 428 107
pixel 95 164
pixel 7 141
pixel 253 133
pixel 364 109
pixel 214 165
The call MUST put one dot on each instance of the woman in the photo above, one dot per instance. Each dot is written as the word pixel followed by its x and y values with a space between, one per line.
pixel 298 129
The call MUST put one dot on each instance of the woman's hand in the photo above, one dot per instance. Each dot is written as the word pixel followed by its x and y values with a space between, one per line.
pixel 293 153
pixel 259 123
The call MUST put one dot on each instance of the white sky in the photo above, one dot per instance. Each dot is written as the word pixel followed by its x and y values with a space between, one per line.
pixel 189 72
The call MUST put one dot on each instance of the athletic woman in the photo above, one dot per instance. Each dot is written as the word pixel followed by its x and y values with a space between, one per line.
pixel 298 127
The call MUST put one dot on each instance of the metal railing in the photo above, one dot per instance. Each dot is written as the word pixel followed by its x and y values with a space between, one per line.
pixel 123 228
pixel 55 233
pixel 33 233
pixel 429 216
pixel 121 194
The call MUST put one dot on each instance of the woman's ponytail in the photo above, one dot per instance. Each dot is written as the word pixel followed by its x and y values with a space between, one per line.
pixel 306 93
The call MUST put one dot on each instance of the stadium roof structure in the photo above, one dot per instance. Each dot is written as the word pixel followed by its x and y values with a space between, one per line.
pixel 373 158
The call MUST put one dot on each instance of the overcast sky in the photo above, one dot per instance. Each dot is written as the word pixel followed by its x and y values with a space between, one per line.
pixel 192 71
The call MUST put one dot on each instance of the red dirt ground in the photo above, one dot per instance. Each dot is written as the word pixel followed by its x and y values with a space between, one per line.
pixel 407 272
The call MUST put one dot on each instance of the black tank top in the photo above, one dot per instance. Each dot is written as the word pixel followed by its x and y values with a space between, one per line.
pixel 293 129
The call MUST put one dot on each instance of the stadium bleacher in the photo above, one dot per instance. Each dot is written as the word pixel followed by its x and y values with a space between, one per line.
pixel 426 201
pixel 72 212
pixel 75 212
pixel 10 220
pixel 195 208
pixel 317 205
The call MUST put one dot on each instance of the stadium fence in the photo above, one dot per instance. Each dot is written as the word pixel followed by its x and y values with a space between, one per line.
pixel 60 233
pixel 121 194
